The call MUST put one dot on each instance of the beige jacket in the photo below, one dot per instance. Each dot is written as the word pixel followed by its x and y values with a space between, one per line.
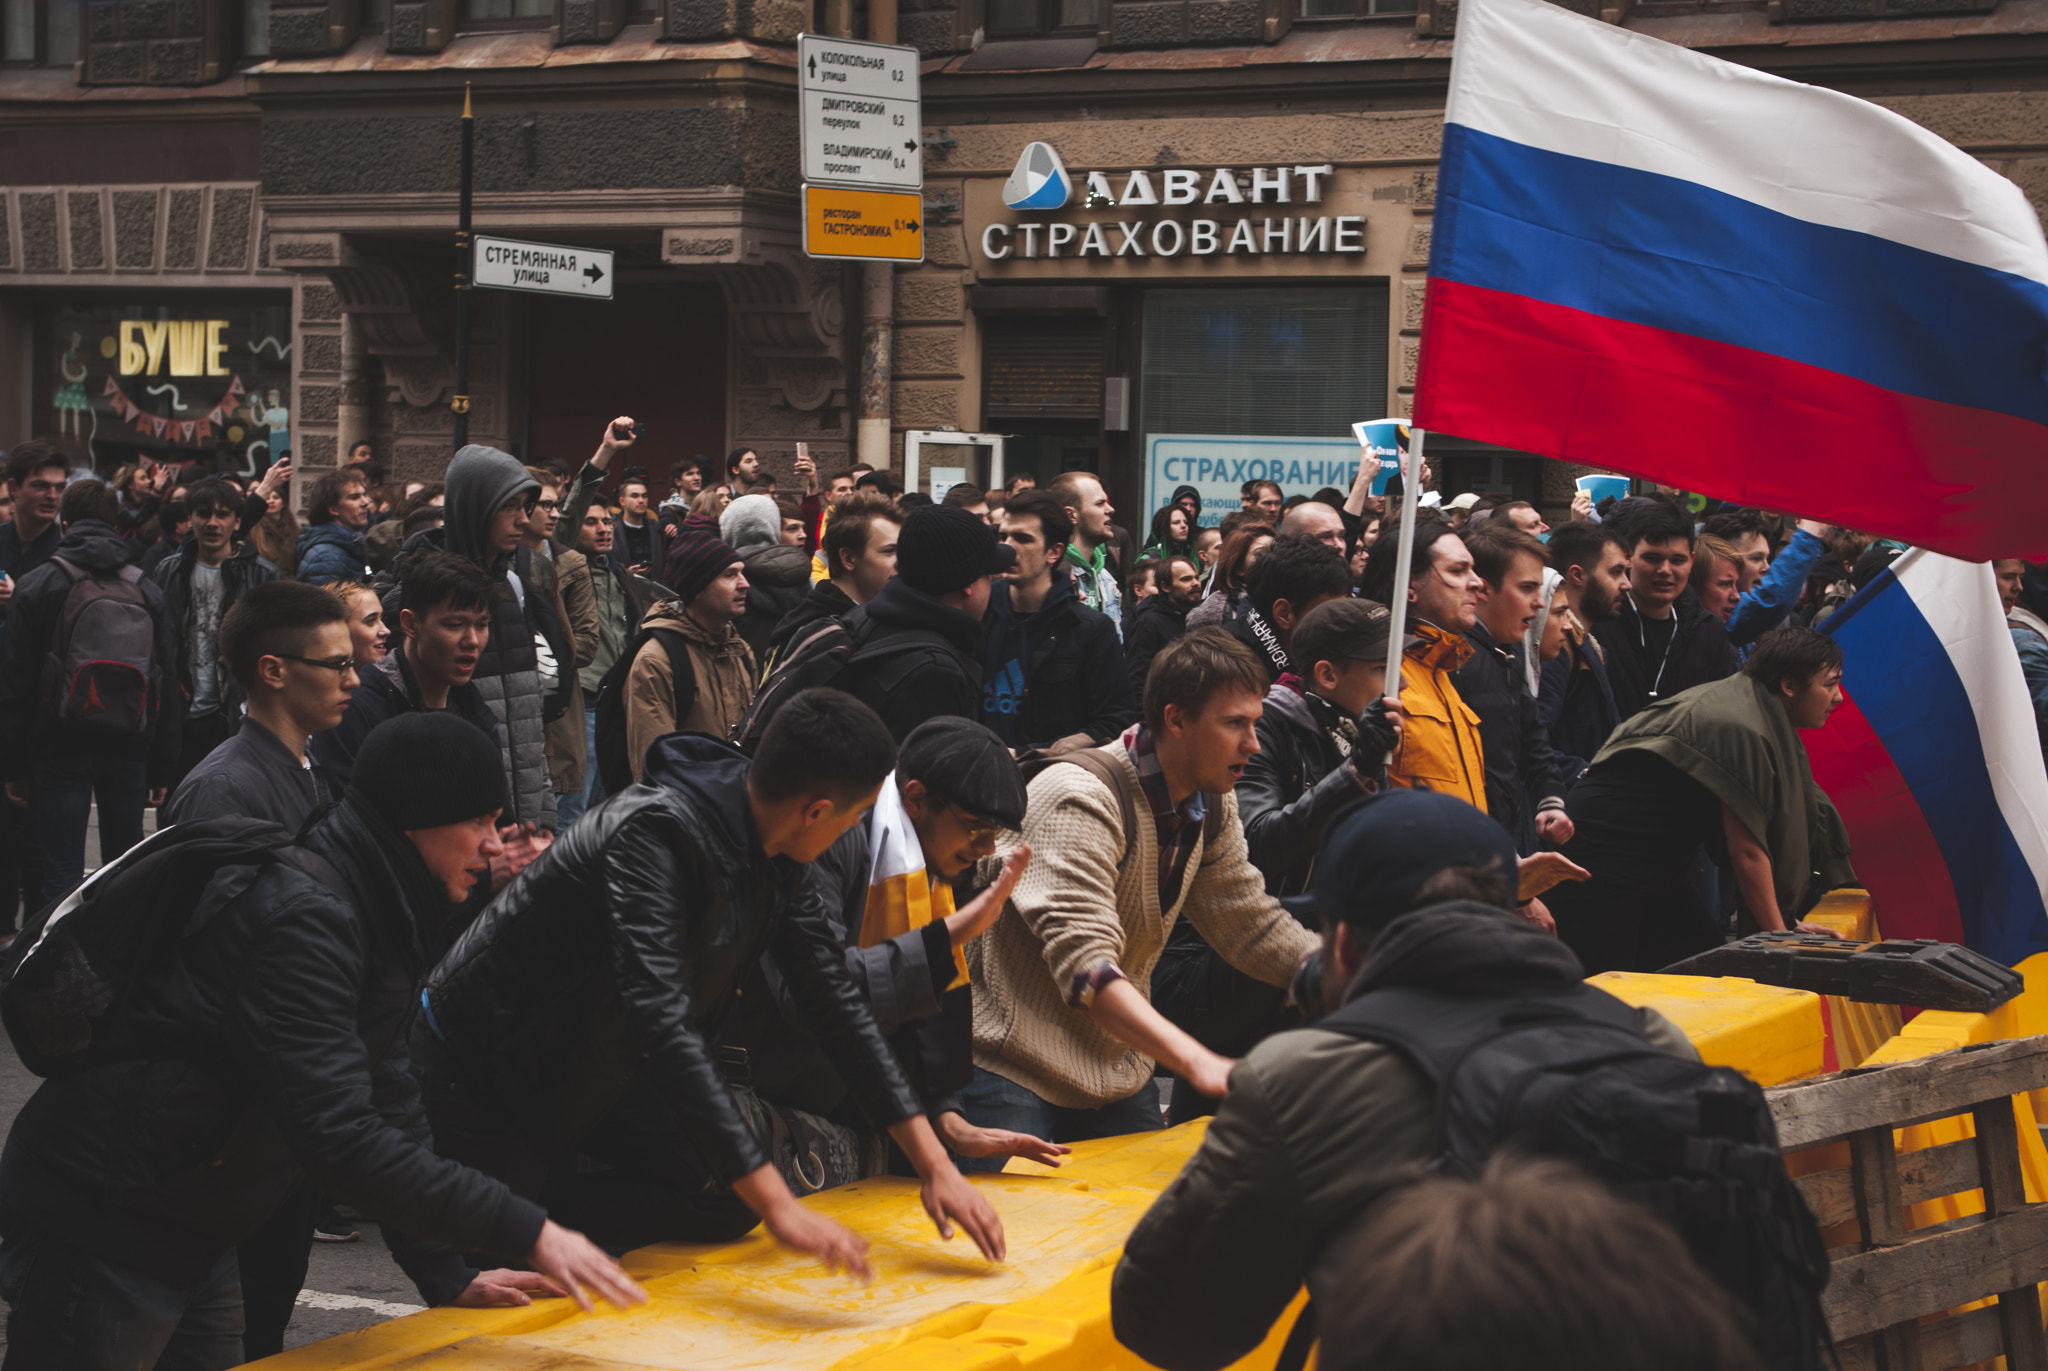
pixel 1078 906
pixel 565 736
pixel 724 686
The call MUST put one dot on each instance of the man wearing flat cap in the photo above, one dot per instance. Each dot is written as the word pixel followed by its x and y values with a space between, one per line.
pixel 887 887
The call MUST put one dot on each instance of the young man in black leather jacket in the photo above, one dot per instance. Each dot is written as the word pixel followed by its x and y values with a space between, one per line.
pixel 270 1049
pixel 576 1016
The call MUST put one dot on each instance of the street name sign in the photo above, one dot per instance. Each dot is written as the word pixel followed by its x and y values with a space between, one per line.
pixel 864 225
pixel 861 118
pixel 544 268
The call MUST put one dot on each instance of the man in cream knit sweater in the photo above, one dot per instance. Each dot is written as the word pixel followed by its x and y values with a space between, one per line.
pixel 1065 1035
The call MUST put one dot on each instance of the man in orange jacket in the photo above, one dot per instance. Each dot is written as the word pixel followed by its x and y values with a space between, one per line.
pixel 1440 747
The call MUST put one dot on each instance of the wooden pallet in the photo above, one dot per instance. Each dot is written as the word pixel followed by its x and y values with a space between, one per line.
pixel 1885 1283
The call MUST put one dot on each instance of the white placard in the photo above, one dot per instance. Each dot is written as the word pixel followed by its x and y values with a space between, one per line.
pixel 546 268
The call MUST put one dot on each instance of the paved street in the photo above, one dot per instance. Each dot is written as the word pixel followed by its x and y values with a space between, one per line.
pixel 348 1285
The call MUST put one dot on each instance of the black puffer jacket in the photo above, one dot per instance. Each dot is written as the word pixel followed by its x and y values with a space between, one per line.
pixel 618 953
pixel 276 1043
pixel 243 569
pixel 1700 652
pixel 919 658
pixel 1291 787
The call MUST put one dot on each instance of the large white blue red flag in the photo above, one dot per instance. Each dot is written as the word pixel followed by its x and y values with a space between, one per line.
pixel 1648 259
pixel 1934 762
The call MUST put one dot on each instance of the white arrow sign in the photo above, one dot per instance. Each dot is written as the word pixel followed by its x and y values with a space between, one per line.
pixel 549 268
pixel 862 120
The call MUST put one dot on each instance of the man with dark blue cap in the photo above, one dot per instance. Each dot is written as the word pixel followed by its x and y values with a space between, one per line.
pixel 1414 890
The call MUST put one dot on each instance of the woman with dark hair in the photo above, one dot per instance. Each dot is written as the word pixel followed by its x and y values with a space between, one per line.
pixel 1233 564
pixel 1173 533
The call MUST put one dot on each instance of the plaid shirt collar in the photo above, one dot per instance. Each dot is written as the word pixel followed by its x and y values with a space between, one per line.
pixel 1178 826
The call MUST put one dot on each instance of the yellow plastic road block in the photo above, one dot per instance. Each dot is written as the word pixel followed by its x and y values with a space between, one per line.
pixel 934 1306
pixel 1769 1033
pixel 1855 1029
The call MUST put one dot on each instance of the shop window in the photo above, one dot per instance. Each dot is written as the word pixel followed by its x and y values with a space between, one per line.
pixel 507 14
pixel 1240 384
pixel 1354 9
pixel 39 32
pixel 194 381
pixel 1038 18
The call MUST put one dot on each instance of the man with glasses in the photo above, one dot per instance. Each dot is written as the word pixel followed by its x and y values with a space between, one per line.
pixel 887 886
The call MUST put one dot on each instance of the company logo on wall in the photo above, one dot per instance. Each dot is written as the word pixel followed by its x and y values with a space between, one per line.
pixel 1040 180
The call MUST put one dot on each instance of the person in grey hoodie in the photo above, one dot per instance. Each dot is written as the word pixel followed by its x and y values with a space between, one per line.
pixel 489 498
pixel 778 571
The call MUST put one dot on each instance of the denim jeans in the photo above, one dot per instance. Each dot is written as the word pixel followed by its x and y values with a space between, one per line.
pixel 70 1311
pixel 62 791
pixel 992 1101
pixel 570 808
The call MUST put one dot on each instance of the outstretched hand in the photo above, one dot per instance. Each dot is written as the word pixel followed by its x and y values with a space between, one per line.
pixel 979 914
pixel 505 1288
pixel 571 1261
pixel 965 1140
pixel 949 1199
pixel 832 1242
pixel 1534 875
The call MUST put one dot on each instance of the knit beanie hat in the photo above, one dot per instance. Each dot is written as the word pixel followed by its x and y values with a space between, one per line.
pixel 943 548
pixel 425 770
pixel 697 555
pixel 751 521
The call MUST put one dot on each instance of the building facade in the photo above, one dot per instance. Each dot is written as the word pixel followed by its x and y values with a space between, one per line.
pixel 226 224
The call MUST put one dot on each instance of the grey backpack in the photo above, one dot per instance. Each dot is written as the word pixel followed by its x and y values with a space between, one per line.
pixel 102 673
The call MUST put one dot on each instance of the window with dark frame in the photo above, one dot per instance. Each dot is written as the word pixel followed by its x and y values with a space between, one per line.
pixel 1042 18
pixel 41 33
pixel 1354 9
pixel 506 14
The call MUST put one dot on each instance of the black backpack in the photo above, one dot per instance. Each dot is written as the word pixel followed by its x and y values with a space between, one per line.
pixel 843 652
pixel 614 767
pixel 1571 1075
pixel 80 956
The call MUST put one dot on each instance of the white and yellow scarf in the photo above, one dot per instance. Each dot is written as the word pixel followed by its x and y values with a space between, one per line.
pixel 902 896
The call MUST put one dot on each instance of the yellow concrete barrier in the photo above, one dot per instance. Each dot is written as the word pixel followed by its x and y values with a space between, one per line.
pixel 753 1304
pixel 1767 1032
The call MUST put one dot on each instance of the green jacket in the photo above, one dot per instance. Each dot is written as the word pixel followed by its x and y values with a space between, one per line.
pixel 1734 738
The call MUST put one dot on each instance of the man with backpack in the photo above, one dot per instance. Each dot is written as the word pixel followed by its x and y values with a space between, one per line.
pixel 858 549
pixel 687 670
pixel 1434 985
pixel 249 1033
pixel 201 582
pixel 89 707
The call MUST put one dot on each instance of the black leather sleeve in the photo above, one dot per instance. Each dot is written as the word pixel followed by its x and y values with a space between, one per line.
pixel 1280 835
pixel 814 966
pixel 645 874
pixel 358 1130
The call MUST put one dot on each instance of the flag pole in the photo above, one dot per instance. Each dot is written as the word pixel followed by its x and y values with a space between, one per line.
pixel 464 258
pixel 1404 557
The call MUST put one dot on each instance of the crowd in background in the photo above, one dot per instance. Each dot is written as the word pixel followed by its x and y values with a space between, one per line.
pixel 1114 777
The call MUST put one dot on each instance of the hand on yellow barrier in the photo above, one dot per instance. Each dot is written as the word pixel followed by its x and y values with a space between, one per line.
pixel 963 1139
pixel 949 1198
pixel 809 1231
pixel 573 1261
pixel 505 1288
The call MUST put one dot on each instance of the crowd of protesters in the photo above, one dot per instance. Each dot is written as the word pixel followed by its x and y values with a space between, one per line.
pixel 655 858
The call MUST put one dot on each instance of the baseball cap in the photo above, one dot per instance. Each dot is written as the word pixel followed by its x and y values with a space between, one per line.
pixel 942 548
pixel 1465 501
pixel 961 761
pixel 1349 630
pixel 1376 854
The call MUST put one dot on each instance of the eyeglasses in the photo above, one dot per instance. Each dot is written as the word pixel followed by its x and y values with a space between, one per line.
pixel 340 666
pixel 979 830
pixel 545 504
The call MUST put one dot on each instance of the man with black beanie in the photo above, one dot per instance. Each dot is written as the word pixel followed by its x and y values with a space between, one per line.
pixel 917 643
pixel 271 1052
pixel 691 671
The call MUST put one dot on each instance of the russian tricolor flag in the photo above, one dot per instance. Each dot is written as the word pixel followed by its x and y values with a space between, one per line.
pixel 1656 261
pixel 1933 760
